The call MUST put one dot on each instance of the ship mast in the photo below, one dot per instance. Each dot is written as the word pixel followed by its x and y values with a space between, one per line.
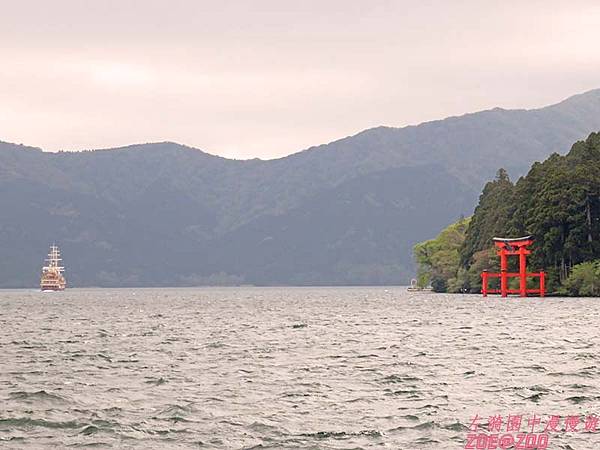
pixel 54 260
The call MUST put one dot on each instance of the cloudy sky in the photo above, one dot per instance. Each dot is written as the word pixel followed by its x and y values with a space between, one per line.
pixel 267 78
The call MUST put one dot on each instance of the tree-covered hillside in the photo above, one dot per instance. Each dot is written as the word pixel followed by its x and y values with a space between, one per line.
pixel 348 212
pixel 558 202
pixel 438 259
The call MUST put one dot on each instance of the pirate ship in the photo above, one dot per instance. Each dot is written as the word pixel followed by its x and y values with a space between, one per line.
pixel 52 274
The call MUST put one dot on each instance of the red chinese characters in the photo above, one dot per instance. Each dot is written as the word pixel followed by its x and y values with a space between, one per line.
pixel 509 433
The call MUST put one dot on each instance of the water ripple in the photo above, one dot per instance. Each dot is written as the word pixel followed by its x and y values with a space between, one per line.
pixel 277 368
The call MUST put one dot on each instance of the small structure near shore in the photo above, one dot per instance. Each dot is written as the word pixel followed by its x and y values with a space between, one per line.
pixel 414 287
pixel 513 247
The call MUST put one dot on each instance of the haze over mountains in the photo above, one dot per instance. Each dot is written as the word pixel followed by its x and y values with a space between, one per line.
pixel 347 212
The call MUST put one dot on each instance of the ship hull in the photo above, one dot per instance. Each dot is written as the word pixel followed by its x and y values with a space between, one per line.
pixel 53 288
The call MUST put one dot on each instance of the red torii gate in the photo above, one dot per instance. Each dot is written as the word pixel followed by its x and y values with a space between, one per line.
pixel 509 247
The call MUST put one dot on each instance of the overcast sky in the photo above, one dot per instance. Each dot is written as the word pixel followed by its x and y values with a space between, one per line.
pixel 264 79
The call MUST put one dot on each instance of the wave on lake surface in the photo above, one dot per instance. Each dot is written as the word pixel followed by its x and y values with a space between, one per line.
pixel 279 368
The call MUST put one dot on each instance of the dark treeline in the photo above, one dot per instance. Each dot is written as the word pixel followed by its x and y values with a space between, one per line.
pixel 558 202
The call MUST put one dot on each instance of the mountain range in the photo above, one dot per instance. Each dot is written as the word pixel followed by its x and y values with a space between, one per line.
pixel 347 212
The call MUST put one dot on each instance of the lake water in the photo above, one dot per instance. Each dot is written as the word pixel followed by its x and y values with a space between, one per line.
pixel 278 368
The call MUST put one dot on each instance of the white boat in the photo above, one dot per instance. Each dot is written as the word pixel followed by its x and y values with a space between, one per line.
pixel 52 274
